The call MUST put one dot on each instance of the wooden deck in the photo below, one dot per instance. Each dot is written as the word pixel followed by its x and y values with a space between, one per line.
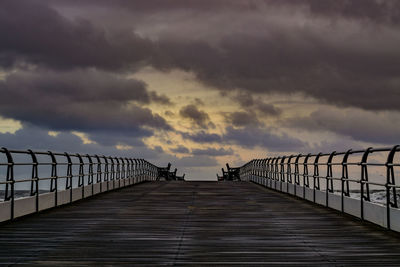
pixel 195 223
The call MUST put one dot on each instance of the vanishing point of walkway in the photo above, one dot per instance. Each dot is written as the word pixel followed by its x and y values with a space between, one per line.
pixel 195 223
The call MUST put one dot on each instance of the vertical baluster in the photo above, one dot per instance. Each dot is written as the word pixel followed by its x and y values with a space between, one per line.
pixel 68 182
pixel 306 177
pixel 54 177
pixel 282 172
pixel 112 172
pixel 128 171
pixel 10 185
pixel 329 175
pixel 118 172
pixel 35 179
pixel 90 174
pixel 81 175
pixel 364 180
pixel 98 172
pixel 390 184
pixel 106 172
pixel 316 175
pixel 289 172
pixel 297 170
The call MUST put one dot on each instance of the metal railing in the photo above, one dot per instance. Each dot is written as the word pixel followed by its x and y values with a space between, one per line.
pixel 41 172
pixel 341 172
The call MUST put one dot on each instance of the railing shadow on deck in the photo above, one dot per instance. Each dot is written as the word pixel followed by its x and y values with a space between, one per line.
pixel 362 183
pixel 56 179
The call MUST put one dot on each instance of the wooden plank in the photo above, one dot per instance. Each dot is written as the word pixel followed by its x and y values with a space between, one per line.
pixel 195 223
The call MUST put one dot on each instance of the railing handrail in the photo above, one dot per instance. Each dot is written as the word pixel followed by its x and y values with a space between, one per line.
pixel 280 168
pixel 89 165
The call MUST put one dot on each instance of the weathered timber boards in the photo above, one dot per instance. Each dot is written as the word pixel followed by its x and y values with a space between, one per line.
pixel 195 223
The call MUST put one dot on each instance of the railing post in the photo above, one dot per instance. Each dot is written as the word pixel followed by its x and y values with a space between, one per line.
pixel 10 181
pixel 68 182
pixel 282 171
pixel 345 177
pixel 81 176
pixel 90 174
pixel 35 179
pixel 118 173
pixel 128 171
pixel 106 172
pixel 296 174
pixel 306 178
pixel 54 178
pixel 132 171
pixel 289 172
pixel 135 172
pixel 329 175
pixel 112 177
pixel 316 185
pixel 277 170
pixel 264 175
pixel 267 177
pixel 390 184
pixel 364 179
pixel 98 173
pixel 140 168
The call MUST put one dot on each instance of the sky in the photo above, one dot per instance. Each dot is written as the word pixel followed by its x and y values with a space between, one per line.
pixel 199 83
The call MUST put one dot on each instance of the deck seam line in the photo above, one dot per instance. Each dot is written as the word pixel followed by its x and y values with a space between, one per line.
pixel 183 232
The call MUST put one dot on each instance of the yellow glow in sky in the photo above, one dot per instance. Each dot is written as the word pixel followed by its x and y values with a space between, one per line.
pixel 84 137
pixel 9 125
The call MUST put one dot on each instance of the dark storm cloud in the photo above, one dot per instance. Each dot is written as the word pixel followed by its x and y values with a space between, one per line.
pixel 248 102
pixel 78 100
pixel 242 118
pixel 378 128
pixel 35 33
pixel 212 152
pixel 340 74
pixel 202 137
pixel 384 11
pixel 160 99
pixel 180 149
pixel 198 117
pixel 343 52
pixel 251 137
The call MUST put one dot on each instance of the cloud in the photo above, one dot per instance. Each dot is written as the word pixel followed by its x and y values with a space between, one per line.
pixel 250 137
pixel 60 43
pixel 378 11
pixel 340 52
pixel 242 118
pixel 202 137
pixel 286 51
pixel 247 102
pixel 198 117
pixel 85 100
pixel 180 149
pixel 212 152
pixel 267 109
pixel 160 99
pixel 373 127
